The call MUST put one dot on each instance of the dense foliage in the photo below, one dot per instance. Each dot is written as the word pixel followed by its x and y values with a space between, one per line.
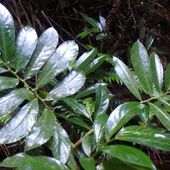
pixel 37 79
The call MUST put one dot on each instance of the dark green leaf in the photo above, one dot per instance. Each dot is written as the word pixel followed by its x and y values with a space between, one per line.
pixel 45 47
pixel 95 64
pixel 61 144
pixel 21 124
pixel 12 100
pixel 126 76
pixel 7 82
pixel 25 46
pixel 156 71
pixel 162 115
pixel 99 127
pixel 69 86
pixel 87 163
pixel 102 100
pixel 77 107
pixel 24 162
pixel 129 155
pixel 58 62
pixel 85 59
pixel 78 121
pixel 154 138
pixel 121 115
pixel 90 20
pixel 87 145
pixel 7 34
pixel 140 61
pixel 167 77
pixel 89 90
pixel 42 131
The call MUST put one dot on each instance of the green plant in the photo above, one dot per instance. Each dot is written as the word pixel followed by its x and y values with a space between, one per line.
pixel 32 99
pixel 97 27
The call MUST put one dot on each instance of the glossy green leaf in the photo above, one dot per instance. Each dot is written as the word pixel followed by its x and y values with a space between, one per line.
pixel 156 71
pixel 77 107
pixel 126 76
pixel 120 116
pixel 7 34
pixel 85 59
pixel 99 127
pixel 129 155
pixel 61 144
pixel 102 100
pixel 154 138
pixel 90 20
pixel 42 131
pixel 2 70
pixel 79 121
pixel 117 164
pixel 140 61
pixel 7 82
pixel 96 63
pixel 71 163
pixel 69 86
pixel 12 100
pixel 21 124
pixel 89 90
pixel 58 62
pixel 25 46
pixel 165 102
pixel 23 161
pixel 45 47
pixel 87 163
pixel 87 145
pixel 162 115
pixel 167 77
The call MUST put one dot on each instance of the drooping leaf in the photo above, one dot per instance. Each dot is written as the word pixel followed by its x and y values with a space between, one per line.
pixel 126 76
pixel 154 138
pixel 45 47
pixel 156 71
pixel 77 107
pixel 129 155
pixel 95 64
pixel 69 86
pixel 87 163
pixel 7 34
pixel 23 161
pixel 167 77
pixel 87 145
pixel 58 62
pixel 140 61
pixel 21 124
pixel 12 100
pixel 25 46
pixel 99 127
pixel 102 100
pixel 7 82
pixel 120 116
pixel 61 144
pixel 85 59
pixel 162 115
pixel 42 130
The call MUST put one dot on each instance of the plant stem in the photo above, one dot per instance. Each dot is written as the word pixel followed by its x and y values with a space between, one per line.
pixel 75 145
pixel 26 85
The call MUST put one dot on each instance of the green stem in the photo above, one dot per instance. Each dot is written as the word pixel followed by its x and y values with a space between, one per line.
pixel 26 85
